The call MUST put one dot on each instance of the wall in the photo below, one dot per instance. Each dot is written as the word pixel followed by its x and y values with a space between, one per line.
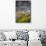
pixel 7 15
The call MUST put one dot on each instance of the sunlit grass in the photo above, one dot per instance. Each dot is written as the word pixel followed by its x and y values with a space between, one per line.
pixel 25 18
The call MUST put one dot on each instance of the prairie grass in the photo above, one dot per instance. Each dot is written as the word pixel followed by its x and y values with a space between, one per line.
pixel 24 18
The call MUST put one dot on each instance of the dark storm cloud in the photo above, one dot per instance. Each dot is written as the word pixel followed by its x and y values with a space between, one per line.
pixel 23 5
pixel 22 0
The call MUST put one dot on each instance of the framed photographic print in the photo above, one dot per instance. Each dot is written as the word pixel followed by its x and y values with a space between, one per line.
pixel 23 11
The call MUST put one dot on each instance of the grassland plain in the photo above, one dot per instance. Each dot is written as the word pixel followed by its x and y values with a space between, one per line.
pixel 24 18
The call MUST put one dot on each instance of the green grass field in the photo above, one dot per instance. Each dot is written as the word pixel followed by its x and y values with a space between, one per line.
pixel 25 18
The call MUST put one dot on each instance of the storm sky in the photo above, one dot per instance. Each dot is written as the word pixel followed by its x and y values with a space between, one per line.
pixel 23 5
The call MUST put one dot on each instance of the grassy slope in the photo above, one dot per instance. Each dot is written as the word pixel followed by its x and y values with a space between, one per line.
pixel 25 18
